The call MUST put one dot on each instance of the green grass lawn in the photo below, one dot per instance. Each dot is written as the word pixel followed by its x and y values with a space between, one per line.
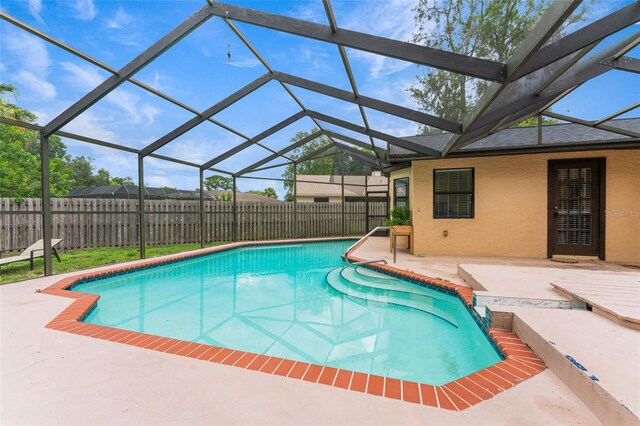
pixel 74 260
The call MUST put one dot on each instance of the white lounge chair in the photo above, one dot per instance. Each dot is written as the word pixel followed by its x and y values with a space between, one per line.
pixel 32 252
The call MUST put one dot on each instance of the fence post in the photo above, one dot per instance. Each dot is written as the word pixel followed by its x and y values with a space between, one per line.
pixel 366 204
pixel 295 200
pixel 141 224
pixel 234 209
pixel 342 188
pixel 201 208
pixel 47 221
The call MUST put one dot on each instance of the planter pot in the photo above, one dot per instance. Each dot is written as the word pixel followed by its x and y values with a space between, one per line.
pixel 402 231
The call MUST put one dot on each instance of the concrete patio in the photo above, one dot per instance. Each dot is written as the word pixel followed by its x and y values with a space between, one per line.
pixel 522 294
pixel 51 377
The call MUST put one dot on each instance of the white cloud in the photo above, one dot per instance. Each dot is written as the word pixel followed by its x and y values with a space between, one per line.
pixel 43 116
pixel 245 62
pixel 85 10
pixel 35 8
pixel 159 181
pixel 88 124
pixel 85 78
pixel 129 102
pixel 150 112
pixel 82 77
pixel 30 52
pixel 378 65
pixel 125 100
pixel 120 20
pixel 37 85
pixel 391 19
pixel 309 11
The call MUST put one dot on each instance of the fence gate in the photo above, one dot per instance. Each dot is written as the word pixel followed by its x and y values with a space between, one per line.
pixel 374 217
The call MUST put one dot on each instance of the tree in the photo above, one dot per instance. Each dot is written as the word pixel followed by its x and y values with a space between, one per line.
pixel 218 182
pixel 20 155
pixel 223 196
pixel 20 158
pixel 9 110
pixel 268 192
pixel 331 165
pixel 271 193
pixel 82 173
pixel 490 29
pixel 533 121
pixel 117 181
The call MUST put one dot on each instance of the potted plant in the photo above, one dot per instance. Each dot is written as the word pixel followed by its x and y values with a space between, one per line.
pixel 400 217
pixel 400 221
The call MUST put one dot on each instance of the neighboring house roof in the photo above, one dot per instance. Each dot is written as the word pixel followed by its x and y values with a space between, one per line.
pixel 131 192
pixel 330 185
pixel 553 136
pixel 243 196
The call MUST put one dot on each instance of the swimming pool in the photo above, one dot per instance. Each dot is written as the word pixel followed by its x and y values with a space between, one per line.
pixel 296 301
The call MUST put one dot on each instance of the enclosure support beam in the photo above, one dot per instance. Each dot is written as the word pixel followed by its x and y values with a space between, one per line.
pixel 47 223
pixel 347 67
pixel 539 129
pixel 201 208
pixel 530 104
pixel 141 222
pixel 546 26
pixel 382 106
pixel 107 86
pixel 355 142
pixel 268 67
pixel 226 102
pixel 342 194
pixel 617 113
pixel 280 153
pixel 604 127
pixel 234 209
pixel 295 200
pixel 393 140
pixel 366 204
pixel 626 63
pixel 582 38
pixel 273 129
pixel 422 55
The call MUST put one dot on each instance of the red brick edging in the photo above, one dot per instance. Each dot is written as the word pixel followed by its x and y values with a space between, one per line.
pixel 520 362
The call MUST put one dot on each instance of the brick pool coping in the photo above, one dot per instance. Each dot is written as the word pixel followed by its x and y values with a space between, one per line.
pixel 519 364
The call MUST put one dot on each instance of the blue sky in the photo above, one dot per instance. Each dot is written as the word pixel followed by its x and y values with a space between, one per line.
pixel 197 73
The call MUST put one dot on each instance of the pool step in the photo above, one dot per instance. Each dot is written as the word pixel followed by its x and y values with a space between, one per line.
pixel 385 282
pixel 360 290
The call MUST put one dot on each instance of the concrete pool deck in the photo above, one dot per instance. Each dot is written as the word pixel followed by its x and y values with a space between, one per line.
pixel 43 370
pixel 609 352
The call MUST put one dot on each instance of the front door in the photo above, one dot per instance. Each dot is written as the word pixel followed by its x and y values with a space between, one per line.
pixel 575 207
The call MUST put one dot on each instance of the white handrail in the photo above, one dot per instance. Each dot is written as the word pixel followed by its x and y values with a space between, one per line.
pixel 357 243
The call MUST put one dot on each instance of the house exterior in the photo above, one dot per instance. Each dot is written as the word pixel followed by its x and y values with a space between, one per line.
pixel 575 194
pixel 328 188
pixel 224 195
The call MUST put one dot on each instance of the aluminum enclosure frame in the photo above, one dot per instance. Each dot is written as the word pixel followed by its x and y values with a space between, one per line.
pixel 560 67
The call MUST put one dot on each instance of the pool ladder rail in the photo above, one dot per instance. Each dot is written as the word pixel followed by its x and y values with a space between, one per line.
pixel 361 240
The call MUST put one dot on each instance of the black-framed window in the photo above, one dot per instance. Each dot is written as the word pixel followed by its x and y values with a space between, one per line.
pixel 401 192
pixel 453 193
pixel 321 199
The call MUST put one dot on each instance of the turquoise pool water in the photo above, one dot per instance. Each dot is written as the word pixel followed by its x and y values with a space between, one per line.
pixel 276 300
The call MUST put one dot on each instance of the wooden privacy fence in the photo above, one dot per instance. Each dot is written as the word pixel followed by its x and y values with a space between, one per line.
pixel 92 222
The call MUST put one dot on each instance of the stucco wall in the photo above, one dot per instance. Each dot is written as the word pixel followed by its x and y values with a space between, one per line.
pixel 511 206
